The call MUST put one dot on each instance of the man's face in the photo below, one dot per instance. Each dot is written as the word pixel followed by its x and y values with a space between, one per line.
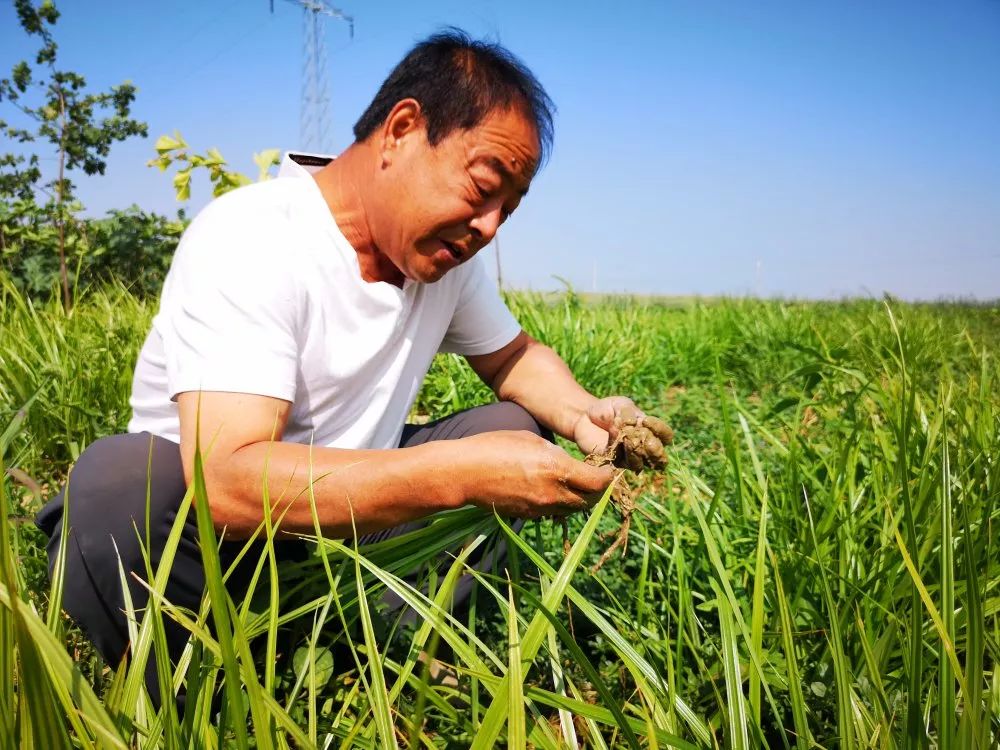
pixel 446 202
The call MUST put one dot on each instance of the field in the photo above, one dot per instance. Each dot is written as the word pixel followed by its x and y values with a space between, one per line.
pixel 817 567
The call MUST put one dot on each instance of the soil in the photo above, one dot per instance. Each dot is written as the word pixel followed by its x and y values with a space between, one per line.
pixel 638 445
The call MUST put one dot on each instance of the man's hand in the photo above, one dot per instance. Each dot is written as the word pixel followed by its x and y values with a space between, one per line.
pixel 522 475
pixel 596 427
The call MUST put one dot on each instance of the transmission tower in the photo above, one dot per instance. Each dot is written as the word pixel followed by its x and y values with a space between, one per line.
pixel 314 113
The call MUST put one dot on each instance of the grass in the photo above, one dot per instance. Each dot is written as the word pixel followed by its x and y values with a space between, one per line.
pixel 817 568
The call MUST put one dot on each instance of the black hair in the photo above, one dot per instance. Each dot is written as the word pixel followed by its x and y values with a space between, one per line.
pixel 458 82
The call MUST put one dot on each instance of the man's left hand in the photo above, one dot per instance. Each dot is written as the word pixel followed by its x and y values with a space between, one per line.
pixel 595 428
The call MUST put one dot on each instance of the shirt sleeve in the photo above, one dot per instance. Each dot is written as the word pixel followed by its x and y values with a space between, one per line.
pixel 229 309
pixel 481 323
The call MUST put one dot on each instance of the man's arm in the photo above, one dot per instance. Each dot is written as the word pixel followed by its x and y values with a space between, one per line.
pixel 533 376
pixel 518 474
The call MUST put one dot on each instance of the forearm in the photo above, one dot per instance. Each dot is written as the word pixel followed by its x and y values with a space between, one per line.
pixel 538 380
pixel 382 488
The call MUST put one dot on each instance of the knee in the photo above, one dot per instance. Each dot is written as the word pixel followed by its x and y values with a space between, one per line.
pixel 127 475
pixel 124 473
pixel 116 482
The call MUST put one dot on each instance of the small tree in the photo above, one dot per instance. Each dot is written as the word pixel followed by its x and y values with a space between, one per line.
pixel 80 126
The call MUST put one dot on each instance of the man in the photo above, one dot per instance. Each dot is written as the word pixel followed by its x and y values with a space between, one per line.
pixel 296 325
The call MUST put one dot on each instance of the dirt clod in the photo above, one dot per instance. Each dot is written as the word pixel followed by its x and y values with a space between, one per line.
pixel 638 445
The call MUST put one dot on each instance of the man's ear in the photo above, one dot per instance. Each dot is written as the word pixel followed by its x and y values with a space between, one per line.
pixel 404 122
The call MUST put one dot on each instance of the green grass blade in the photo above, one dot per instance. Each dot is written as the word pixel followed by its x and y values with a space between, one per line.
pixel 801 723
pixel 972 702
pixel 436 623
pixel 514 678
pixel 378 694
pixel 603 715
pixel 947 704
pixel 841 670
pixel 735 708
pixel 723 579
pixel 462 641
pixel 552 644
pixel 54 616
pixel 532 640
pixel 914 719
pixel 71 689
pixel 589 670
pixel 946 643
pixel 647 679
pixel 218 597
pixel 757 612
pixel 885 713
pixel 43 725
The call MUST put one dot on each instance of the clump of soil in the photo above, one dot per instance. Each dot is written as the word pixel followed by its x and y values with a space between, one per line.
pixel 638 445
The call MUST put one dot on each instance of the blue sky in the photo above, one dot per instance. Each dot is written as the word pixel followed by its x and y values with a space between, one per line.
pixel 798 148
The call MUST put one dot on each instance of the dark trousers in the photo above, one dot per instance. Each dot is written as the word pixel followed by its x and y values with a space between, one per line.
pixel 107 491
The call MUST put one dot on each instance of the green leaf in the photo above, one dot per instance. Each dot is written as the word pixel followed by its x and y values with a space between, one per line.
pixel 514 678
pixel 166 143
pixel 378 694
pixel 264 161
pixel 802 736
pixel 735 706
pixel 182 184
pixel 532 640
pixel 217 595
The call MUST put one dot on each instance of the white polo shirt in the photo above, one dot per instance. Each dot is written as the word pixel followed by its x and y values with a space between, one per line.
pixel 265 296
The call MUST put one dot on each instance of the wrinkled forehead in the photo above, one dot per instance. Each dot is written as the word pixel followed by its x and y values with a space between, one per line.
pixel 507 140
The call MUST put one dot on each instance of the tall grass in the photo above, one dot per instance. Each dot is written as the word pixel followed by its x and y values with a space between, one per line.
pixel 817 568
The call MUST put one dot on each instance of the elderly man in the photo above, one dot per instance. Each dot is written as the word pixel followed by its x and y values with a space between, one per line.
pixel 296 325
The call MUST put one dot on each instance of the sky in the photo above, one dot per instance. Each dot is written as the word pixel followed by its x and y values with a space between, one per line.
pixel 795 149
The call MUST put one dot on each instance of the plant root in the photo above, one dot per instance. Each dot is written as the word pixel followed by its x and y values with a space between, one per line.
pixel 624 500
pixel 639 444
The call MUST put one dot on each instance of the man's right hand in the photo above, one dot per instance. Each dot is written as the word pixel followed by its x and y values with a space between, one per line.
pixel 522 475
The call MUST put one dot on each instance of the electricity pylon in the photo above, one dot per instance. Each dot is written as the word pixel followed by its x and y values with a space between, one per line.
pixel 314 113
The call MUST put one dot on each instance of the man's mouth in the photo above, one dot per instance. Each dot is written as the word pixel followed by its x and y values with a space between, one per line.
pixel 453 249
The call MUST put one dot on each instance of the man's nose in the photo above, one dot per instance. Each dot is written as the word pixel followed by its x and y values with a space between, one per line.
pixel 486 223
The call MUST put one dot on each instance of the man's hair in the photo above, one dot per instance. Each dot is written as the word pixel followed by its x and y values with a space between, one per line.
pixel 458 82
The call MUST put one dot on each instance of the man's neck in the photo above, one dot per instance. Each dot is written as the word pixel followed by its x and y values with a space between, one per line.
pixel 343 183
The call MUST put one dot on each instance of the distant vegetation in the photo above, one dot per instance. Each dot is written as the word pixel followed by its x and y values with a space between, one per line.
pixel 47 243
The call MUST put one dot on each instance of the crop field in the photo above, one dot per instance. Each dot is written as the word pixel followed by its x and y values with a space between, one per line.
pixel 817 566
